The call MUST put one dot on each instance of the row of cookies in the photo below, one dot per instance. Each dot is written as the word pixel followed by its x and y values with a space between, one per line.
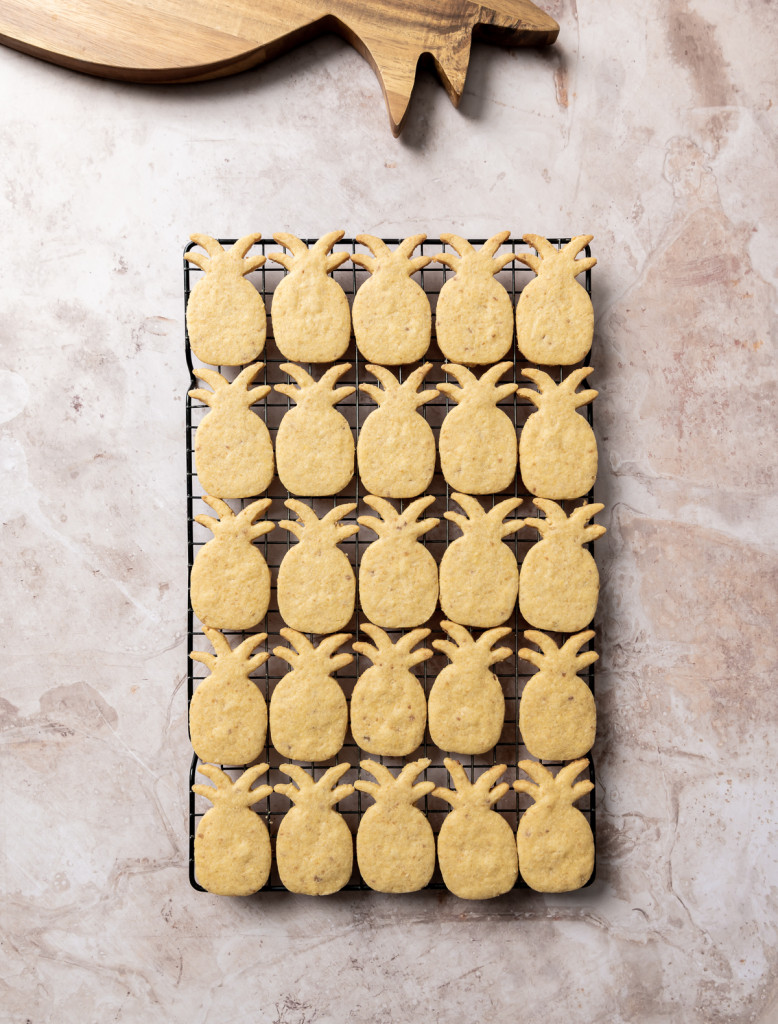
pixel 400 583
pixel 396 451
pixel 478 854
pixel 391 315
pixel 388 710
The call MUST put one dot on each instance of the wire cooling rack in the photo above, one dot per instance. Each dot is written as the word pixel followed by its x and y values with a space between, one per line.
pixel 512 673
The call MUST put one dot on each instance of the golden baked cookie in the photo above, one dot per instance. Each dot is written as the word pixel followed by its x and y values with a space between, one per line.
pixel 391 313
pixel 230 582
pixel 227 713
pixel 314 444
pixel 557 448
pixel 557 714
pixel 474 314
pixel 398 577
pixel 388 707
pixel 476 846
pixel 396 446
pixel 232 845
pixel 233 451
pixel 555 842
pixel 479 577
pixel 316 583
pixel 308 711
pixel 395 844
pixel 310 312
pixel 314 847
pixel 478 440
pixel 466 703
pixel 559 582
pixel 225 314
pixel 554 315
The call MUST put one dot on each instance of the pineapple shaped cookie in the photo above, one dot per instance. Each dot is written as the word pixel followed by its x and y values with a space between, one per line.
pixel 466 703
pixel 474 314
pixel 314 445
pixel 388 707
pixel 227 714
pixel 391 313
pixel 316 583
pixel 310 314
pixel 396 446
pixel 479 577
pixel 398 577
pixel 478 440
pixel 314 847
pixel 558 450
pixel 555 842
pixel 233 450
pixel 230 582
pixel 232 845
pixel 476 846
pixel 395 844
pixel 560 584
pixel 554 315
pixel 308 712
pixel 225 314
pixel 557 715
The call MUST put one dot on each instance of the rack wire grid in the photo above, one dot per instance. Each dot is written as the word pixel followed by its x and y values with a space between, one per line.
pixel 511 673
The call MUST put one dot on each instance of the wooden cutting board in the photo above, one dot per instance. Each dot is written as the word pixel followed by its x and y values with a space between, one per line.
pixel 158 41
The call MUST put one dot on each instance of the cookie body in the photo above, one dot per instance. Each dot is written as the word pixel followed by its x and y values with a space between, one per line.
pixel 474 313
pixel 396 457
pixel 388 712
pixel 479 581
pixel 391 313
pixel 554 839
pixel 310 311
pixel 558 450
pixel 314 444
pixel 314 847
pixel 232 845
pixel 554 315
pixel 478 449
pixel 230 585
pixel 557 714
pixel 395 844
pixel 225 314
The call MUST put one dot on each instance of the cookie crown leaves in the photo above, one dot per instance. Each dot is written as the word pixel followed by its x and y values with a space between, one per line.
pixel 231 526
pixel 549 790
pixel 480 794
pixel 561 659
pixel 224 657
pixel 472 388
pixel 550 260
pixel 310 795
pixel 306 657
pixel 396 790
pixel 300 258
pixel 477 519
pixel 389 655
pixel 232 794
pixel 394 524
pixel 396 394
pixel 571 528
pixel 472 654
pixel 481 261
pixel 310 391
pixel 228 262
pixel 384 260
pixel 309 529
pixel 226 395
pixel 555 397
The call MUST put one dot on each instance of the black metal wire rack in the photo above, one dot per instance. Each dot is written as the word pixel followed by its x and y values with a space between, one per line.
pixel 512 673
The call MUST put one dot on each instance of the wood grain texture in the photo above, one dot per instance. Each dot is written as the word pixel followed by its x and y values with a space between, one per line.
pixel 157 41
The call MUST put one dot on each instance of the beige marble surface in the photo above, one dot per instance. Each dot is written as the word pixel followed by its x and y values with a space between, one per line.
pixel 653 127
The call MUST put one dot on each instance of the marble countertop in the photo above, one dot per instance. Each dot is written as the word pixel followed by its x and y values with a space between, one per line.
pixel 653 128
